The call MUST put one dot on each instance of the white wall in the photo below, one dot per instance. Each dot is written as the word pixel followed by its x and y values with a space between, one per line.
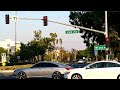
pixel 7 42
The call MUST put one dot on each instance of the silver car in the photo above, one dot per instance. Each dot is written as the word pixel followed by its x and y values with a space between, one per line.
pixel 53 70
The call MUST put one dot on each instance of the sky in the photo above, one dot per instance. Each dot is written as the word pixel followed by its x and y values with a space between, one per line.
pixel 25 28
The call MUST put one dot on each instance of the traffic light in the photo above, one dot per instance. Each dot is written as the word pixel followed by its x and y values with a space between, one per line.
pixel 107 52
pixel 45 20
pixel 107 42
pixel 7 19
pixel 107 39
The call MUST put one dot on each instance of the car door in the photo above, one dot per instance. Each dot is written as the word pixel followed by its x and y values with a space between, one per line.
pixel 94 70
pixel 111 70
pixel 35 70
pixel 48 69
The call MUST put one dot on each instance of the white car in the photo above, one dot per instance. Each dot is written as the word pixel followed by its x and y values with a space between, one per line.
pixel 96 70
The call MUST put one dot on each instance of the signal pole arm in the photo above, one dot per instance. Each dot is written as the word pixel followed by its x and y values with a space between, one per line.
pixel 79 27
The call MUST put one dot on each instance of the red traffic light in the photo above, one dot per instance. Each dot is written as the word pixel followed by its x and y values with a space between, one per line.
pixel 107 52
pixel 7 19
pixel 45 20
pixel 107 39
pixel 45 17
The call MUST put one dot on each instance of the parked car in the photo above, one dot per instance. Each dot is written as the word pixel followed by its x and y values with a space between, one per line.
pixel 96 70
pixel 53 70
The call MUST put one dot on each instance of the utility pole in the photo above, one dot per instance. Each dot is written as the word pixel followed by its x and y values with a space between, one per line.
pixel 106 32
pixel 15 37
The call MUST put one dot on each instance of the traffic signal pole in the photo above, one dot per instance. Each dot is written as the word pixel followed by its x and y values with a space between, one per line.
pixel 15 37
pixel 106 33
pixel 80 27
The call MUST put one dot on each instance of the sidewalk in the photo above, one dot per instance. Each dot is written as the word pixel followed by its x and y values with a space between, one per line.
pixel 6 71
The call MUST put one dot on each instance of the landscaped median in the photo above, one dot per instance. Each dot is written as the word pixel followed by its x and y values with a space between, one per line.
pixel 12 68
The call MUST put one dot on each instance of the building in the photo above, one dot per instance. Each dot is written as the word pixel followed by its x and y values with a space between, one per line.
pixel 10 45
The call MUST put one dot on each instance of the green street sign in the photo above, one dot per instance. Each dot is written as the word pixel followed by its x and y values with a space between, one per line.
pixel 100 47
pixel 72 31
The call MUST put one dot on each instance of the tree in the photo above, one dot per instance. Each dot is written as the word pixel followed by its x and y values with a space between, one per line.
pixel 26 52
pixel 37 35
pixel 38 45
pixel 96 20
pixel 54 38
pixel 35 49
pixel 48 57
pixel 65 56
pixel 55 41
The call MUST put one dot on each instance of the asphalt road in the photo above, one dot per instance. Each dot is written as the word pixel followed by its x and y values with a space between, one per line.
pixel 6 75
pixel 9 75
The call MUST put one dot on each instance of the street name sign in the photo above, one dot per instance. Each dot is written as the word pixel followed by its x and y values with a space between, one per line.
pixel 100 47
pixel 72 31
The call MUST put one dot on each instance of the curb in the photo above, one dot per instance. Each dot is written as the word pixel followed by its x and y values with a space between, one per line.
pixel 6 71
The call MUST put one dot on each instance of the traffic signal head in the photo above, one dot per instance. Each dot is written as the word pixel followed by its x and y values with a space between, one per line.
pixel 107 42
pixel 107 52
pixel 45 20
pixel 7 19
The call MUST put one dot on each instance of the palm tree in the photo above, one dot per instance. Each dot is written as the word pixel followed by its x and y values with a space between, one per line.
pixel 55 41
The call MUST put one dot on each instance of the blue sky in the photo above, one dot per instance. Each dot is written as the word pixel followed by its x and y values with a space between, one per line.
pixel 25 28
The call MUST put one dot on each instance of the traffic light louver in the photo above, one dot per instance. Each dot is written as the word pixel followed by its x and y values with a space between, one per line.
pixel 45 20
pixel 7 19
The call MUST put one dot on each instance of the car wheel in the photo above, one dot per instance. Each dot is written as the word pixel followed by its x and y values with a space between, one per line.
pixel 118 76
pixel 56 75
pixel 76 76
pixel 22 75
